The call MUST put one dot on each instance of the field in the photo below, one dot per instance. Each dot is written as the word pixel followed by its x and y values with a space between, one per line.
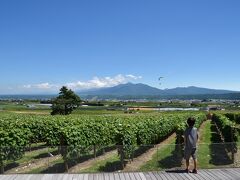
pixel 107 140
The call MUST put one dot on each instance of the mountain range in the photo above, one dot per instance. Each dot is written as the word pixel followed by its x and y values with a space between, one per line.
pixel 140 89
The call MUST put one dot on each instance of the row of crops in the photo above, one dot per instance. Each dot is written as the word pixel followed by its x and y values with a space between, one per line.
pixel 235 117
pixel 227 127
pixel 228 124
pixel 75 135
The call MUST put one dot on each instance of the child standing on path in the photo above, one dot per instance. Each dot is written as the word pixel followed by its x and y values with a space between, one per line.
pixel 190 142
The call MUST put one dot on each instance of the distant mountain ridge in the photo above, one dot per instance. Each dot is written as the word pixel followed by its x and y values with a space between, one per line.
pixel 140 89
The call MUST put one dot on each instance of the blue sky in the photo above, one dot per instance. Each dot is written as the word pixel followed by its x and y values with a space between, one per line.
pixel 90 43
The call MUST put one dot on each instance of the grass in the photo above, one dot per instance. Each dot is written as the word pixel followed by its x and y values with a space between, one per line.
pixel 204 153
pixel 162 159
pixel 96 111
pixel 167 157
pixel 109 164
pixel 30 156
pixel 13 107
pixel 48 169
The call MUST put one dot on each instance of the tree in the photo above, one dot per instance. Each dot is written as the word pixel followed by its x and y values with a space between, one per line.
pixel 66 102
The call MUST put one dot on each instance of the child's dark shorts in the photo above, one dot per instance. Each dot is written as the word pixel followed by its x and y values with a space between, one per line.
pixel 190 153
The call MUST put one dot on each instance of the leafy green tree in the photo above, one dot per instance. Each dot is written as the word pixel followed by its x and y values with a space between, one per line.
pixel 66 102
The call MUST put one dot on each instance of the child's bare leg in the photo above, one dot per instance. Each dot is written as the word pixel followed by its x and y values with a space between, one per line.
pixel 187 164
pixel 195 163
pixel 195 166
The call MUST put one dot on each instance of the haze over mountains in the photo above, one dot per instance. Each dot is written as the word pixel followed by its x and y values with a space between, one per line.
pixel 140 89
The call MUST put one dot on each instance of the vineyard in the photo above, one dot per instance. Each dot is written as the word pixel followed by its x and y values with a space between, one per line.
pixel 76 135
pixel 79 135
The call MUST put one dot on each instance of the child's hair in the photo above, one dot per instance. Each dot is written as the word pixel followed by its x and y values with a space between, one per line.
pixel 191 121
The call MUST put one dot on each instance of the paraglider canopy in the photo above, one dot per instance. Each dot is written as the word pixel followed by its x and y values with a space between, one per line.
pixel 159 79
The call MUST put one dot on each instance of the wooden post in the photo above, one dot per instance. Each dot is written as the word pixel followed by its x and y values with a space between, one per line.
pixel 233 146
pixel 66 165
pixel 64 153
pixel 95 152
pixel 65 158
pixel 1 167
pixel 121 156
pixel 30 147
pixel 103 150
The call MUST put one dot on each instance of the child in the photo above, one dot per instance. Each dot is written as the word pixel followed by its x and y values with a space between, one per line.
pixel 190 141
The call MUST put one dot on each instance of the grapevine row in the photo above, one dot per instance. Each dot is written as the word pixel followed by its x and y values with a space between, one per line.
pixel 226 126
pixel 78 134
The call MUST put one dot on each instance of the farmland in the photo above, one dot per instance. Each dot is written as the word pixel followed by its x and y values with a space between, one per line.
pixel 96 140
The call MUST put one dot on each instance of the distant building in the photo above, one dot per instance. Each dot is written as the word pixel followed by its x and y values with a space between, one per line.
pixel 214 108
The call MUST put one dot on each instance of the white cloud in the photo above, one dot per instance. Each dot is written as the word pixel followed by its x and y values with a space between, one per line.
pixel 44 86
pixel 41 86
pixel 28 86
pixel 133 77
pixel 95 82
